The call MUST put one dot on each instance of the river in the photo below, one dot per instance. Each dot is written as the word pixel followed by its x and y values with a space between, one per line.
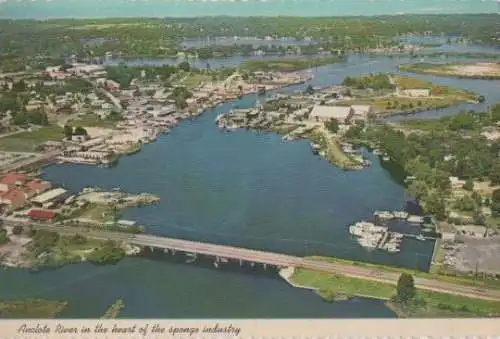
pixel 243 188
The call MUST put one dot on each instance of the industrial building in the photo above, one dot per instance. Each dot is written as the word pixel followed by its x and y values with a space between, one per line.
pixel 50 198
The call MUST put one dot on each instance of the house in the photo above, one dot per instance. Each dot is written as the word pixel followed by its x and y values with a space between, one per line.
pixel 78 138
pixel 38 186
pixel 417 93
pixel 15 198
pixel 12 180
pixel 58 75
pixel 325 113
pixel 456 183
pixel 41 215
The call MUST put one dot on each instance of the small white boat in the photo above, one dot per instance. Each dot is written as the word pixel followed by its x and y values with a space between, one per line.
pixel 420 237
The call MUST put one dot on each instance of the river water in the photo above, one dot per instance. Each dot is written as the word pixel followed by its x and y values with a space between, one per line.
pixel 244 188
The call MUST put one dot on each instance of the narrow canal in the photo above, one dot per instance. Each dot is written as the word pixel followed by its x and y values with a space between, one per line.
pixel 243 188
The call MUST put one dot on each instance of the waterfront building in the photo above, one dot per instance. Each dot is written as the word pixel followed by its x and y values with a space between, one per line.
pixel 49 197
pixel 321 113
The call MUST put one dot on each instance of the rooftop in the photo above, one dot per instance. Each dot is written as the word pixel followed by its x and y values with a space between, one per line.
pixel 47 196
pixel 337 112
pixel 12 178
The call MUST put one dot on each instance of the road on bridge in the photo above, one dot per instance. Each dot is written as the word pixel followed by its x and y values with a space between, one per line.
pixel 277 259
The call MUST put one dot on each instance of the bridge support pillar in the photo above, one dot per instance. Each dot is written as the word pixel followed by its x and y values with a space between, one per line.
pixel 252 264
pixel 165 250
pixel 241 262
pixel 151 248
pixel 173 252
pixel 217 259
pixel 265 266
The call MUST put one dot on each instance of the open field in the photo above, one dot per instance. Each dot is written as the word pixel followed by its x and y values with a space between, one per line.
pixel 194 80
pixel 27 141
pixel 431 304
pixel 92 120
pixel 481 70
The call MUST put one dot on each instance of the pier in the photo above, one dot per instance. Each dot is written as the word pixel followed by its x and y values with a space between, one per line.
pixel 383 240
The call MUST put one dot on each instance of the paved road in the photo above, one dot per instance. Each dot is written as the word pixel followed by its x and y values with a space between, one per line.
pixel 280 260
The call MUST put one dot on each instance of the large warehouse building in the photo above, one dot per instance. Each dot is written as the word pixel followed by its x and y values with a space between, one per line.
pixel 50 197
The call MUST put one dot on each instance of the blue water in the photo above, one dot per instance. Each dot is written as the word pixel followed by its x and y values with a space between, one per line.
pixel 183 8
pixel 243 188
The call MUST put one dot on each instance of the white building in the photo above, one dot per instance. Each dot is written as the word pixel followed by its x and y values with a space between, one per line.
pixel 325 113
pixel 57 194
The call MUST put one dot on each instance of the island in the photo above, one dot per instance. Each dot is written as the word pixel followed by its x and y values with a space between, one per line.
pixel 477 70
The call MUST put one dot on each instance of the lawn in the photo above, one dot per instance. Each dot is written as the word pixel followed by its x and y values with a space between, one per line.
pixel 92 120
pixel 26 141
pixel 464 280
pixel 31 308
pixel 96 212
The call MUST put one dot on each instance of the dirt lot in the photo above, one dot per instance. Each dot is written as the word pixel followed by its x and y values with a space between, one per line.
pixel 479 69
pixel 480 254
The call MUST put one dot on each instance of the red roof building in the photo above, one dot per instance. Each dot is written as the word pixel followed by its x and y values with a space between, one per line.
pixel 38 186
pixel 43 215
pixel 11 180
pixel 15 198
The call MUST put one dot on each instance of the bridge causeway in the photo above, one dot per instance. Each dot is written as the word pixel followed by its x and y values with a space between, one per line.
pixel 280 260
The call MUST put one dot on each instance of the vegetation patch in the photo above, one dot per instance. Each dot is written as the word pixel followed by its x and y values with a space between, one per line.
pixel 287 65
pixel 29 140
pixel 31 308
pixel 114 310
pixel 404 299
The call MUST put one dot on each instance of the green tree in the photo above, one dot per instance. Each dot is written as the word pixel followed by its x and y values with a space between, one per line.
pixel 494 175
pixel 332 125
pixel 17 230
pixel 495 196
pixel 4 238
pixel 405 289
pixel 68 131
pixel 184 66
pixel 469 185
pixel 80 131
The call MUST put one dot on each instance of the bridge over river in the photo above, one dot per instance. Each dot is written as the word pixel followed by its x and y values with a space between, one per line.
pixel 277 260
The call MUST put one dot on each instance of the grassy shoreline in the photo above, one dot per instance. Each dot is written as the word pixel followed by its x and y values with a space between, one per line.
pixel 288 65
pixel 430 304
pixel 31 308
pixel 114 310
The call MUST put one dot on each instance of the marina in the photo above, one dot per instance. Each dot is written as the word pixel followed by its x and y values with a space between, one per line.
pixel 380 234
